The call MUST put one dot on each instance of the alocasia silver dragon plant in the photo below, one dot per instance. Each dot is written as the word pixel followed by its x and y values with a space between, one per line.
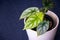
pixel 34 17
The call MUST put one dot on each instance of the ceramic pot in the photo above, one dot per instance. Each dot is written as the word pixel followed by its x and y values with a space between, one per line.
pixel 49 35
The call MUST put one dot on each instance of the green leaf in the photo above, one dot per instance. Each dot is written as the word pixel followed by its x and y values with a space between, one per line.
pixel 48 4
pixel 28 12
pixel 42 27
pixel 40 15
pixel 34 20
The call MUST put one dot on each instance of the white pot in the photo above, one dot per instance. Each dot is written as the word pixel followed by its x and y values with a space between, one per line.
pixel 49 35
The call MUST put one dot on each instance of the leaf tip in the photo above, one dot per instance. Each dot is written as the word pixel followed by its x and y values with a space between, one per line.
pixel 20 18
pixel 24 28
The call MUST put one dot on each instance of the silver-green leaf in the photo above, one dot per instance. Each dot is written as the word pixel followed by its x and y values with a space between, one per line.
pixel 28 12
pixel 34 20
pixel 42 27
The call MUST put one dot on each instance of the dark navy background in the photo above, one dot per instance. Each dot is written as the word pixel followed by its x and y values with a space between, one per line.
pixel 10 11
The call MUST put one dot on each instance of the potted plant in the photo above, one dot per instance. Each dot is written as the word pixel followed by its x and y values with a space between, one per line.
pixel 40 24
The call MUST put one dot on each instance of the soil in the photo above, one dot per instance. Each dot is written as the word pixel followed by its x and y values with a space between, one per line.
pixel 51 23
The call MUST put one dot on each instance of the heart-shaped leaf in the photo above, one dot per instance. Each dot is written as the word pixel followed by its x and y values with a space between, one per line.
pixel 34 20
pixel 28 12
pixel 42 27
